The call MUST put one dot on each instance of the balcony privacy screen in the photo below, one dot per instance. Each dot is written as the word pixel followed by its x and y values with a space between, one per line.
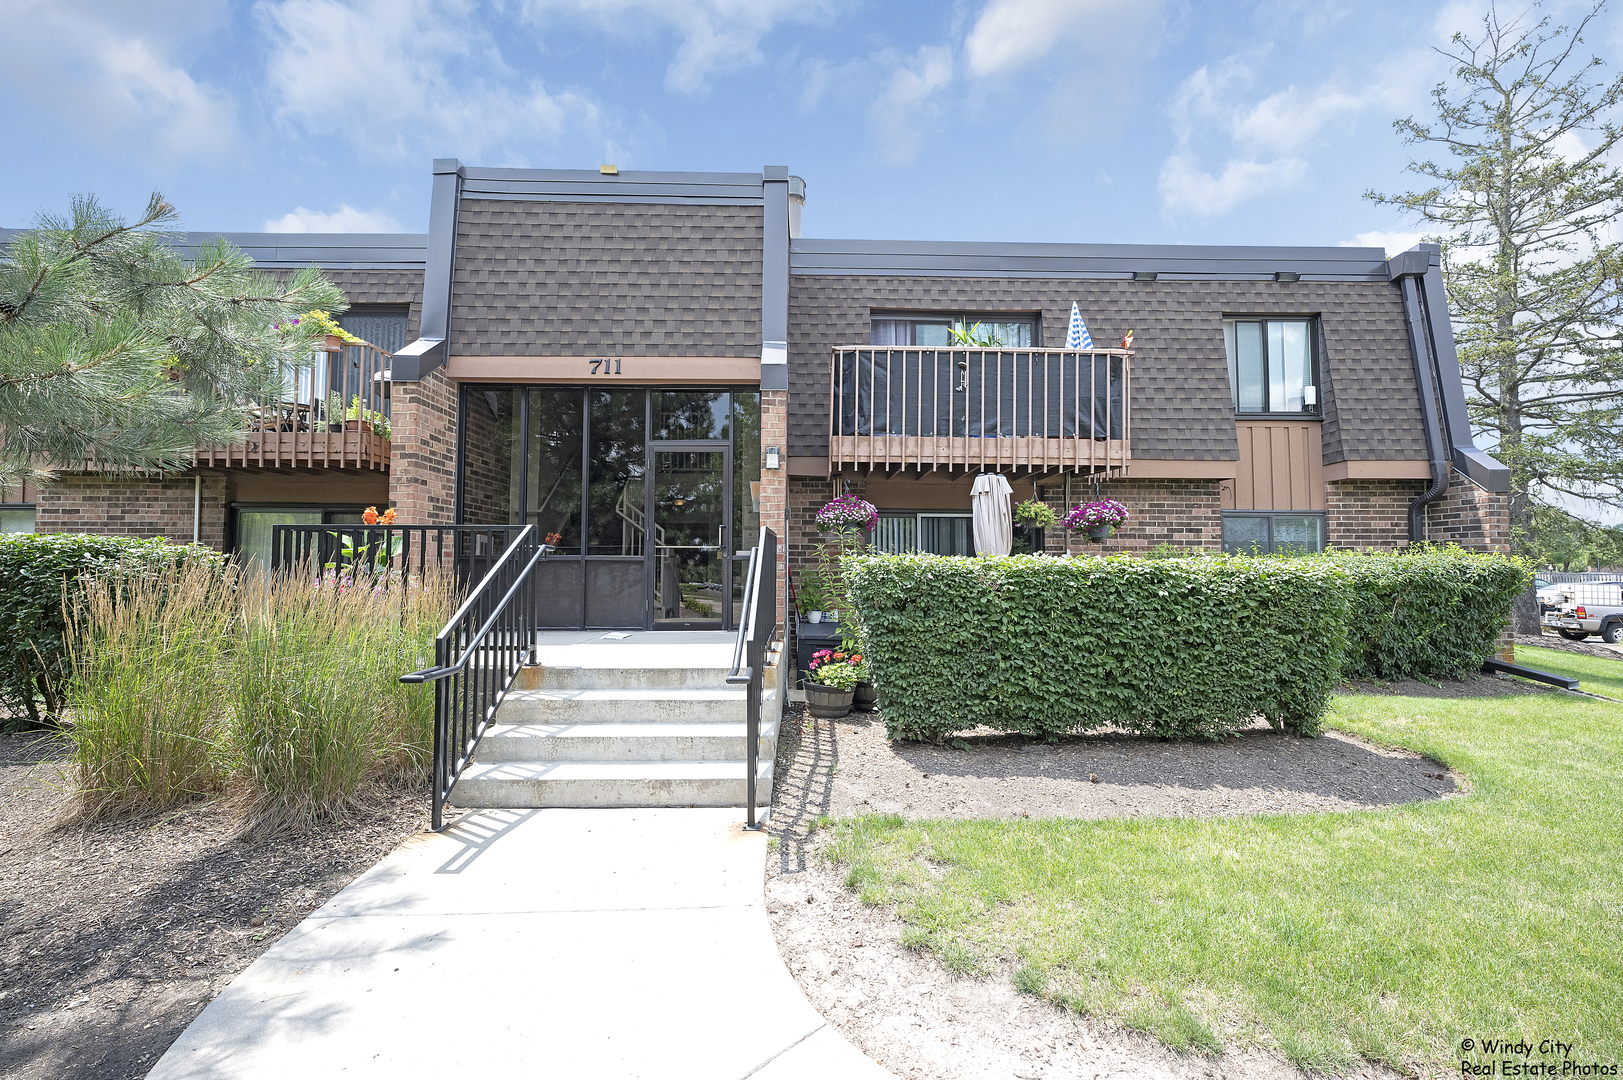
pixel 1004 393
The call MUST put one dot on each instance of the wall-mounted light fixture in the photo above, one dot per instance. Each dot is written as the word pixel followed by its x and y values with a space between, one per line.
pixel 1287 275
pixel 1144 275
pixel 772 457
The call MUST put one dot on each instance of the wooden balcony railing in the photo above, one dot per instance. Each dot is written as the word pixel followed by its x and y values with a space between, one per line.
pixel 1039 409
pixel 311 426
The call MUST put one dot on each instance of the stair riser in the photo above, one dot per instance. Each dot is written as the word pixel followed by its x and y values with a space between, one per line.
pixel 630 792
pixel 528 710
pixel 575 747
pixel 583 678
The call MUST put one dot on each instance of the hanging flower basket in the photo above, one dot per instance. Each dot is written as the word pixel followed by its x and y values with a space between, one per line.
pixel 845 513
pixel 1097 520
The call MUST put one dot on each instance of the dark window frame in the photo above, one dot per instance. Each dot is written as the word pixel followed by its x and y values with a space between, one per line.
pixel 1269 516
pixel 327 509
pixel 1315 346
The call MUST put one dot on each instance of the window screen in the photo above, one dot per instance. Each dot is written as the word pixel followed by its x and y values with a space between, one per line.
pixel 933 534
pixel 384 327
pixel 1264 534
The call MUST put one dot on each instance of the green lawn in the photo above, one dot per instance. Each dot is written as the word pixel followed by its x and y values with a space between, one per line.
pixel 1389 934
pixel 1595 674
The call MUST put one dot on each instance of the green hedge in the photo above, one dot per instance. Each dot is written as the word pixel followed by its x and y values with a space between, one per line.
pixel 1166 647
pixel 35 570
pixel 1431 611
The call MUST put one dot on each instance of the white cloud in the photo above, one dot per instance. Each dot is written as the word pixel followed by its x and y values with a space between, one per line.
pixel 345 219
pixel 119 83
pixel 1391 241
pixel 905 104
pixel 1263 144
pixel 1011 34
pixel 1186 188
pixel 716 35
pixel 378 74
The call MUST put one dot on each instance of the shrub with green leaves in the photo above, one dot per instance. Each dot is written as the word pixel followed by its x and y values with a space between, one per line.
pixel 37 572
pixel 1429 611
pixel 1168 647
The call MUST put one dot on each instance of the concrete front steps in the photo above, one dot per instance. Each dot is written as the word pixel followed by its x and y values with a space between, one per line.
pixel 644 721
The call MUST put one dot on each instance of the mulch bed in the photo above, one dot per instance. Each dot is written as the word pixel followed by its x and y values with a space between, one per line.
pixel 114 936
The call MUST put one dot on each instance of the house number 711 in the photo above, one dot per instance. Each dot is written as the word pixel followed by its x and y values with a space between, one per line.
pixel 610 366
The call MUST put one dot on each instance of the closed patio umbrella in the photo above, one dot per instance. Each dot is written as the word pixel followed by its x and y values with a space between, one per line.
pixel 989 506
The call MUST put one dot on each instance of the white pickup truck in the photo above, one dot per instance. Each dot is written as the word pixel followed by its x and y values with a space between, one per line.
pixel 1588 607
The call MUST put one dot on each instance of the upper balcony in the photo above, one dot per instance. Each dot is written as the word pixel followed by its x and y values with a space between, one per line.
pixel 1043 410
pixel 331 415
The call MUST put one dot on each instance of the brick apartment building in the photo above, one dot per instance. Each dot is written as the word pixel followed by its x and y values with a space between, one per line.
pixel 651 365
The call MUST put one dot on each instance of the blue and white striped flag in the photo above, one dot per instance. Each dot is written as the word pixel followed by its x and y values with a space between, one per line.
pixel 1078 337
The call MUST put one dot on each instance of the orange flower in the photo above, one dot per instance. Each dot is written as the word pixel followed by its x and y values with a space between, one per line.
pixel 388 517
pixel 554 538
pixel 370 515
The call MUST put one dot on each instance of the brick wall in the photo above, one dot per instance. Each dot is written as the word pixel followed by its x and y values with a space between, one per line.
pixel 422 462
pixel 803 540
pixel 1180 513
pixel 489 473
pixel 1369 513
pixel 133 506
pixel 1469 516
pixel 775 486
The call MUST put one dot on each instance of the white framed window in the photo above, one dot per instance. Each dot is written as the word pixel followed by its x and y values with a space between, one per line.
pixel 935 330
pixel 1272 367
pixel 933 533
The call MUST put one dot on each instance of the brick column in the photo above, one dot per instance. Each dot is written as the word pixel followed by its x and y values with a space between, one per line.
pixel 775 490
pixel 422 457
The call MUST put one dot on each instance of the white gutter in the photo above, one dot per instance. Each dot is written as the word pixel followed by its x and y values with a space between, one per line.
pixel 197 506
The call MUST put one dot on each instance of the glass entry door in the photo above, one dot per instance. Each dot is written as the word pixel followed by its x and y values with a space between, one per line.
pixel 690 506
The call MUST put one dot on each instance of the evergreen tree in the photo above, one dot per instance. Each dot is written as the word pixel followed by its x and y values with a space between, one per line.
pixel 118 350
pixel 1524 205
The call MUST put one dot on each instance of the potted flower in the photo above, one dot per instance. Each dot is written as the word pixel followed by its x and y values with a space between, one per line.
pixel 831 682
pixel 865 696
pixel 1097 519
pixel 1034 516
pixel 846 513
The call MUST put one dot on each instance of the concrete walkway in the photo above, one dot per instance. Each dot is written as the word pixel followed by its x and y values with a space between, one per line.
pixel 545 943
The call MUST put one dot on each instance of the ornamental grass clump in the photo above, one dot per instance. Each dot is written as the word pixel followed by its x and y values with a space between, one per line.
pixel 150 657
pixel 318 710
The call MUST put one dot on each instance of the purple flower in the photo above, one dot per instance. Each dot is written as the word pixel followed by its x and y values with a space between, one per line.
pixel 847 512
pixel 1090 514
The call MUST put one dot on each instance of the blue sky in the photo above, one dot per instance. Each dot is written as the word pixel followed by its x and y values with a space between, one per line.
pixel 1160 121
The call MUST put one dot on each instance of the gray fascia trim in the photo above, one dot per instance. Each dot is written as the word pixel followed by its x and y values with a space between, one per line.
pixel 610 197
pixel 774 259
pixel 294 251
pixel 956 259
pixel 428 351
pixel 579 185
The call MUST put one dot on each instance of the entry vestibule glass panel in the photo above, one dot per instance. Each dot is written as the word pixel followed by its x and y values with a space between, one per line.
pixel 691 561
pixel 492 458
pixel 690 414
pixel 614 514
pixel 556 420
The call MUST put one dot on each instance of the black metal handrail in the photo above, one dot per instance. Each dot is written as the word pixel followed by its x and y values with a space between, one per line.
pixel 403 551
pixel 477 656
pixel 755 633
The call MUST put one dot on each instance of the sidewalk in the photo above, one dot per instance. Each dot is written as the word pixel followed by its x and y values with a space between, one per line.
pixel 557 943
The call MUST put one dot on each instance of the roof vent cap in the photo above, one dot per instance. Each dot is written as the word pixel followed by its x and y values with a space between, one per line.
pixel 609 170
pixel 1287 275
